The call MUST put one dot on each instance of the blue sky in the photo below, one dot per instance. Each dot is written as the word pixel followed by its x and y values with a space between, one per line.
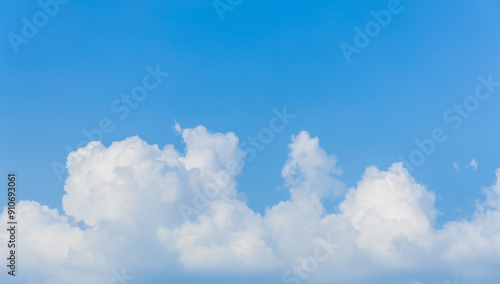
pixel 229 75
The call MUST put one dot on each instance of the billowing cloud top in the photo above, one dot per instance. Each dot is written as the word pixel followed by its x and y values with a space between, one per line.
pixel 155 209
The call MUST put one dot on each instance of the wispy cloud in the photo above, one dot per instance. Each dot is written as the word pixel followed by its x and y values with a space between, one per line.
pixel 472 164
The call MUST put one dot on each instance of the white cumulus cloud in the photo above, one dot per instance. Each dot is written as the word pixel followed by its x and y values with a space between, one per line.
pixel 154 208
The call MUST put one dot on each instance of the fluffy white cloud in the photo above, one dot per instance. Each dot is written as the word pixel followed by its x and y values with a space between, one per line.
pixel 475 244
pixel 138 205
pixel 50 249
pixel 389 209
pixel 229 237
pixel 310 169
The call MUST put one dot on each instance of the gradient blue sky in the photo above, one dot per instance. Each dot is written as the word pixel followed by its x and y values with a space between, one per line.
pixel 229 75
